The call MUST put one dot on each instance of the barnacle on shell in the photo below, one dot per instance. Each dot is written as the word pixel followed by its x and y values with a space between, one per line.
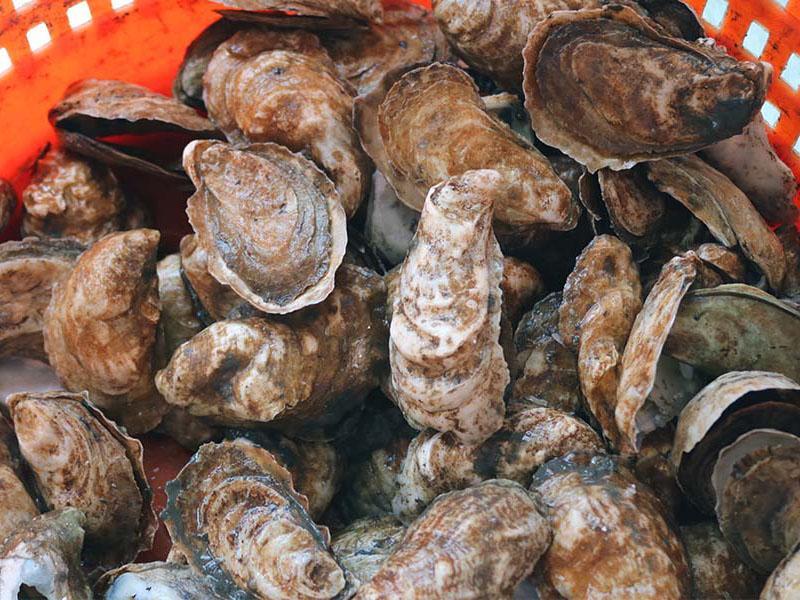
pixel 448 369
pixel 8 202
pixel 364 545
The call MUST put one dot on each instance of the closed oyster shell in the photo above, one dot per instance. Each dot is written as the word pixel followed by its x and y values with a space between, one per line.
pixel 82 460
pixel 213 301
pixel 609 535
pixel 476 543
pixel 643 95
pixel 726 261
pixel 235 516
pixel 784 583
pixel 45 555
pixel 522 285
pixel 156 581
pixel 364 545
pixel 635 207
pixel 278 86
pixel 300 372
pixel 367 10
pixel 18 506
pixel 448 369
pixel 28 271
pixel 401 128
pixel 276 241
pixel 100 328
pixel 179 322
pixel 8 202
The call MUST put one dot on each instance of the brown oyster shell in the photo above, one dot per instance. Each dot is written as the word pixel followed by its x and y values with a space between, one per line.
pixel 731 405
pixel 155 581
pixel 281 87
pixel 45 554
pixel 654 469
pixel 724 260
pixel 82 460
pixel 633 72
pixel 178 322
pixel 723 208
pixel 789 236
pixel 8 202
pixel 366 10
pixel 364 545
pixel 277 241
pixel 401 129
pixel 71 197
pixel 437 463
pixel 597 509
pixel 100 327
pixel 236 517
pixel 18 506
pixel 28 271
pixel 784 583
pixel 448 369
pixel 476 543
pixel 214 301
pixel 635 207
pixel 756 481
pixel 717 573
pixel 300 372
pixel 522 285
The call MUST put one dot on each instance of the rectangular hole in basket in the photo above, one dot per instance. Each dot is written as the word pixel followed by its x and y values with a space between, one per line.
pixel 38 37
pixel 714 12
pixel 782 3
pixel 771 113
pixel 5 62
pixel 756 39
pixel 791 72
pixel 79 14
pixel 20 4
pixel 796 146
pixel 121 4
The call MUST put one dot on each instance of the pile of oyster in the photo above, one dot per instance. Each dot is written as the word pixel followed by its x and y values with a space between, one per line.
pixel 499 300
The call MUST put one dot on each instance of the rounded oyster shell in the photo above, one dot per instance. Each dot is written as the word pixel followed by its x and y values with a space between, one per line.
pixel 522 285
pixel 278 240
pixel 624 71
pixel 363 546
pixel 18 506
pixel 8 202
pixel 448 369
pixel 784 583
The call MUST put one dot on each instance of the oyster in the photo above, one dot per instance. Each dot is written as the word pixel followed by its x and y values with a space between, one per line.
pixel 213 301
pixel 45 555
pixel 93 109
pixel 402 130
pixel 654 469
pixel 448 370
pixel 789 236
pixel 635 207
pixel 724 260
pixel 8 203
pixel 18 506
pixel 72 197
pixel 390 224
pixel 436 462
pixel 277 241
pixel 625 71
pixel 300 372
pixel 156 581
pixel 476 543
pixel 28 271
pixel 236 517
pixel 597 509
pixel 784 583
pixel 178 322
pixel 80 459
pixel 364 10
pixel 724 209
pixel 364 545
pixel 100 327
pixel 279 86
pixel 522 285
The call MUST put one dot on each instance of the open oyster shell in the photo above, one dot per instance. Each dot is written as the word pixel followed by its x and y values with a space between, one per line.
pixel 100 327
pixel 624 83
pixel 300 372
pixel 597 509
pixel 8 202
pixel 366 10
pixel 28 271
pixel 784 583
pixel 18 506
pixel 476 543
pixel 45 554
pixel 401 128
pixel 279 86
pixel 277 245
pixel 82 460
pixel 364 545
pixel 236 517
pixel 448 369
pixel 156 581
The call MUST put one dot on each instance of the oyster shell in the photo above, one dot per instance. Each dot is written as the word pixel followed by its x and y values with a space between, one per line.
pixel 784 583
pixel 69 196
pixel 156 581
pixel 8 202
pixel 366 10
pixel 45 554
pixel 448 369
pixel 728 262
pixel 654 469
pixel 364 545
pixel 789 236
pixel 100 327
pixel 635 207
pixel 277 245
pixel 18 506
pixel 596 509
pixel 390 224
pixel 724 209
pixel 627 71
pixel 235 516
pixel 279 86
pixel 522 285
pixel 28 271
pixel 82 460
pixel 401 128
pixel 178 322
pixel 476 543
pixel 300 372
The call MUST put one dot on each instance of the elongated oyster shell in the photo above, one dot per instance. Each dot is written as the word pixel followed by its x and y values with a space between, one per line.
pixel 18 506
pixel 156 581
pixel 476 543
pixel 278 240
pixel 401 128
pixel 726 261
pixel 368 10
pixel 784 583
pixel 643 94
pixel 45 555
pixel 236 517
pixel 100 327
pixel 635 207
pixel 81 459
pixel 28 271
pixel 278 86
pixel 178 321
pixel 437 463
pixel 364 545
pixel 8 202
pixel 300 372
pixel 723 208
pixel 448 370
pixel 597 509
